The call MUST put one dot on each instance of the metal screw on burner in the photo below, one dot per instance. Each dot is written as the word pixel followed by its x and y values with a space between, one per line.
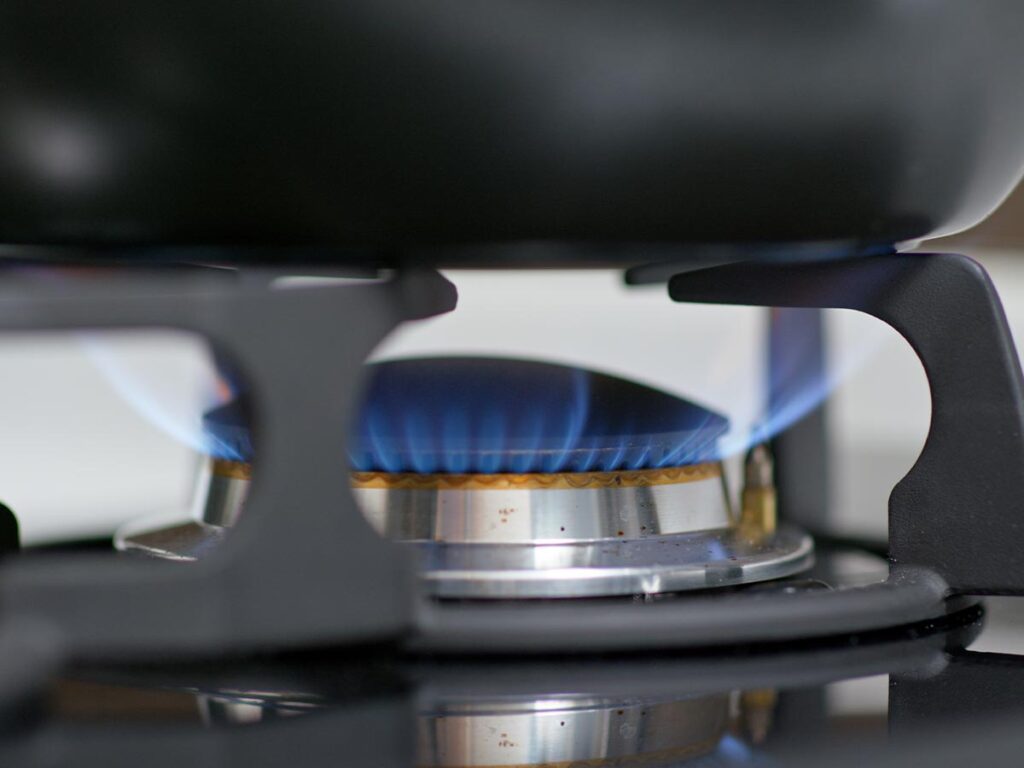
pixel 758 516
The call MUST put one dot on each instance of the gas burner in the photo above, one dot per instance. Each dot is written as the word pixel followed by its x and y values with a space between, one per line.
pixel 521 479
pixel 575 534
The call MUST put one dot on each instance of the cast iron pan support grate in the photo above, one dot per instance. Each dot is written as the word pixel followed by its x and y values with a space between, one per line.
pixel 959 512
pixel 273 585
pixel 955 519
pixel 301 351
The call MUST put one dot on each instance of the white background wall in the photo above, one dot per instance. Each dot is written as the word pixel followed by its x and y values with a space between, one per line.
pixel 94 433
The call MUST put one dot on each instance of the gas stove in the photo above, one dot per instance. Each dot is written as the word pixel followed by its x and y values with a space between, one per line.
pixel 497 558
pixel 517 562
pixel 518 479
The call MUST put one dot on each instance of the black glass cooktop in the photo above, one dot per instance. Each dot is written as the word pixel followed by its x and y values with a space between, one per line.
pixel 899 694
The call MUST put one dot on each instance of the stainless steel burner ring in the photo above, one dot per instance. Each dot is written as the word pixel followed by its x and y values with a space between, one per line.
pixel 544 508
pixel 559 535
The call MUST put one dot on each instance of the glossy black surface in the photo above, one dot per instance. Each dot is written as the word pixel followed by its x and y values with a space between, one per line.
pixel 889 695
pixel 414 131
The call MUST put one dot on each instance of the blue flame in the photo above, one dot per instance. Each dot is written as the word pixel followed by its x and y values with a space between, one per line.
pixel 228 432
pixel 131 385
pixel 462 415
pixel 799 377
pixel 487 415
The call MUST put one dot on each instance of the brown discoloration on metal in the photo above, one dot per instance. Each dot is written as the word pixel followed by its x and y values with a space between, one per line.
pixel 84 700
pixel 757 713
pixel 239 470
pixel 640 477
pixel 626 478
pixel 758 517
pixel 758 514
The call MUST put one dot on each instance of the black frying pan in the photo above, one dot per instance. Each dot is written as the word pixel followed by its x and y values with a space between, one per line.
pixel 449 131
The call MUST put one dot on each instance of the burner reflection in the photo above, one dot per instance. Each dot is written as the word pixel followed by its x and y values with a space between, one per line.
pixel 551 731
